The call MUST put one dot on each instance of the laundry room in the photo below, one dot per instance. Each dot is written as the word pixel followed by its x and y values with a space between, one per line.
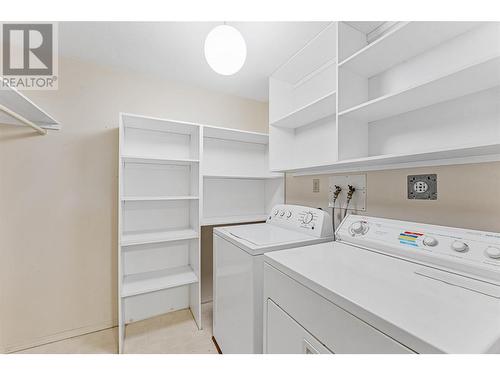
pixel 314 185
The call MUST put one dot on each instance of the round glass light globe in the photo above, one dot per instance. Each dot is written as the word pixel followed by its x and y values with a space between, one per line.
pixel 225 50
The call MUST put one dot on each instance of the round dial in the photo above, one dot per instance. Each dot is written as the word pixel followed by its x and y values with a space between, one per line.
pixel 289 214
pixel 430 241
pixel 308 217
pixel 492 252
pixel 459 246
pixel 276 212
pixel 282 213
pixel 358 227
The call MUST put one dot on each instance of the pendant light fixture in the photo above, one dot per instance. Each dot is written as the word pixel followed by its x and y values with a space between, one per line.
pixel 225 50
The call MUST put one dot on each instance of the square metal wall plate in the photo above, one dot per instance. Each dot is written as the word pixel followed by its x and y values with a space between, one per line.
pixel 422 186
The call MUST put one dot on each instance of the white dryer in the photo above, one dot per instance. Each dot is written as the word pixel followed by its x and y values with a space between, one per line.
pixel 238 270
pixel 385 286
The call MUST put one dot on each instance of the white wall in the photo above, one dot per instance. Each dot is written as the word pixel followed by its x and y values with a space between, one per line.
pixel 468 195
pixel 58 197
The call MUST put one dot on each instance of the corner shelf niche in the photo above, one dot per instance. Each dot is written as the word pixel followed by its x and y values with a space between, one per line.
pixel 237 184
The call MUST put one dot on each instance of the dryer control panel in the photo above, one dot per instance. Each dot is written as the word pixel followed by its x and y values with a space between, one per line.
pixel 465 250
pixel 312 221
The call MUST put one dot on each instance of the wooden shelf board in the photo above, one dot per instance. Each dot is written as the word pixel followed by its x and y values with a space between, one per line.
pixel 391 161
pixel 217 220
pixel 158 198
pixel 467 80
pixel 318 109
pixel 402 43
pixel 156 237
pixel 157 160
pixel 153 281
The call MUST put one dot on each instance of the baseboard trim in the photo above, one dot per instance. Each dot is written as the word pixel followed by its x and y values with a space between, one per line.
pixel 58 337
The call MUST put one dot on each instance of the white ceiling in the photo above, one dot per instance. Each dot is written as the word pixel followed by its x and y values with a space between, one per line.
pixel 174 50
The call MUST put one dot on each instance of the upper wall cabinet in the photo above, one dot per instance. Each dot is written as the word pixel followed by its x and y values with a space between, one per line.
pixel 302 105
pixel 412 94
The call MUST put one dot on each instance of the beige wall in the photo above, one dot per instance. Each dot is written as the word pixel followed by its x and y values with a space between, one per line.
pixel 468 195
pixel 58 197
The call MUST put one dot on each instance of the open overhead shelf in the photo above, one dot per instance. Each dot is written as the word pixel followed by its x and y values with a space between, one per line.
pixel 467 80
pixel 17 109
pixel 466 154
pixel 401 43
pixel 309 113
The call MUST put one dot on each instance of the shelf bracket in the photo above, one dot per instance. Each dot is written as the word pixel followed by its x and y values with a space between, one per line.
pixel 23 120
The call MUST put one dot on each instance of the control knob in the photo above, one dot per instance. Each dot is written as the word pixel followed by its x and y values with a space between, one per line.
pixel 430 241
pixel 492 252
pixel 289 214
pixel 308 217
pixel 358 227
pixel 276 212
pixel 282 213
pixel 459 246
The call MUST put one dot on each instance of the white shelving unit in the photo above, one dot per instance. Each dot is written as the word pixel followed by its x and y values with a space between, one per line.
pixel 407 94
pixel 159 211
pixel 17 109
pixel 174 177
pixel 237 184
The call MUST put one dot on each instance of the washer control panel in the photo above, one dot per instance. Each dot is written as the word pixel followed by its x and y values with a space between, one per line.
pixel 471 251
pixel 312 221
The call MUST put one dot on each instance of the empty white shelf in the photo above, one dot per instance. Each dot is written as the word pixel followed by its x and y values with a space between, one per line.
pixel 321 108
pixel 401 43
pixel 155 237
pixel 19 110
pixel 244 177
pixel 233 219
pixel 470 79
pixel 379 162
pixel 157 160
pixel 164 198
pixel 157 280
pixel 235 135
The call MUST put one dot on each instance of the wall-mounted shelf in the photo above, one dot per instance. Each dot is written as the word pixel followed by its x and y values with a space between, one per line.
pixel 318 109
pixel 153 281
pixel 401 43
pixel 467 80
pixel 445 156
pixel 17 109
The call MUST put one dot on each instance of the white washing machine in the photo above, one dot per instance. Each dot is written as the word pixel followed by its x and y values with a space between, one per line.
pixel 385 286
pixel 238 270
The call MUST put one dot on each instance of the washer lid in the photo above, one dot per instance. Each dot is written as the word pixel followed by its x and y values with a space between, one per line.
pixel 266 235
pixel 257 239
